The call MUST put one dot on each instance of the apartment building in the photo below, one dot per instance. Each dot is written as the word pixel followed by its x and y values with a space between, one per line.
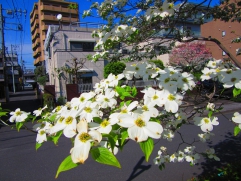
pixel 62 45
pixel 45 13
pixel 224 32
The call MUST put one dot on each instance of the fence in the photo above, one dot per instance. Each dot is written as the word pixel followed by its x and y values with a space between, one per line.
pixel 85 88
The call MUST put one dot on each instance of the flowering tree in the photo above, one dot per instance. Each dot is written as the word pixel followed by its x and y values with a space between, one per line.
pixel 190 53
pixel 102 121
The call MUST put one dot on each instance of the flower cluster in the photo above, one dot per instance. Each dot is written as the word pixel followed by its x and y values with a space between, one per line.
pixel 108 116
pixel 217 70
pixel 187 154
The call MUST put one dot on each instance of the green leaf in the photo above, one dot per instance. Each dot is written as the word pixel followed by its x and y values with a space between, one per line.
pixel 147 147
pixel 53 117
pixel 19 125
pixel 236 92
pixel 104 156
pixel 97 120
pixel 66 165
pixel 210 114
pixel 38 145
pixel 3 113
pixel 124 136
pixel 55 138
pixel 134 91
pixel 126 94
pixel 236 130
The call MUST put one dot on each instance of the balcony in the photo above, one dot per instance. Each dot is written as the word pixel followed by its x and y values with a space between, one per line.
pixel 34 27
pixel 58 9
pixel 49 18
pixel 35 46
pixel 44 27
pixel 36 34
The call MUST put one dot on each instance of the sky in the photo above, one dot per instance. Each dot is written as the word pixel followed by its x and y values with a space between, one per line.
pixel 20 41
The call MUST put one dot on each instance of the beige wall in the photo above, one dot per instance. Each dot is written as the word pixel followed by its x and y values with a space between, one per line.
pixel 215 29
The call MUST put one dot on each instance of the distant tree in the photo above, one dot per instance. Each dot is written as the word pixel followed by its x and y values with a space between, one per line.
pixel 190 53
pixel 76 65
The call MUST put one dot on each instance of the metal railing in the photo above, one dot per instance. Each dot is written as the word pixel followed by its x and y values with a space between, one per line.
pixel 85 87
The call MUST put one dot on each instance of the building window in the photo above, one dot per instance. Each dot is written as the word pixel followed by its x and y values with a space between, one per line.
pixel 223 33
pixel 82 46
pixel 224 53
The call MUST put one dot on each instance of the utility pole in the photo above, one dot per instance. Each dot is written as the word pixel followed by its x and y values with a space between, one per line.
pixel 3 56
pixel 13 70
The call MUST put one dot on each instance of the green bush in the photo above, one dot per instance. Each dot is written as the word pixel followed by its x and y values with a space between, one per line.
pixel 158 63
pixel 61 100
pixel 48 100
pixel 42 80
pixel 114 68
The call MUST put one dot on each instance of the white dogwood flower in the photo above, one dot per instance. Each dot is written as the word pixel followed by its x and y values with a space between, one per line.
pixel 192 158
pixel 211 154
pixel 139 127
pixel 82 143
pixel 206 123
pixel 18 116
pixel 39 111
pixel 237 118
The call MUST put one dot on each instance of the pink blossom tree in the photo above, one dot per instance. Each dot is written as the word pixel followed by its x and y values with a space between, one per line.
pixel 190 53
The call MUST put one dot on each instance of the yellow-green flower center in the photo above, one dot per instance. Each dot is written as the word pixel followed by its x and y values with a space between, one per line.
pixel 167 80
pixel 124 111
pixel 155 97
pixel 69 120
pixel 229 71
pixel 217 70
pixel 42 132
pixel 171 97
pixel 233 79
pixel 171 5
pixel 61 119
pixel 88 110
pixel 58 108
pixel 185 80
pixel 206 120
pixel 106 99
pixel 145 108
pixel 82 99
pixel 84 137
pixel 104 123
pixel 18 113
pixel 139 122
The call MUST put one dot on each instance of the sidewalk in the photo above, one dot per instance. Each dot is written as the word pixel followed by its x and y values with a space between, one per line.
pixel 25 100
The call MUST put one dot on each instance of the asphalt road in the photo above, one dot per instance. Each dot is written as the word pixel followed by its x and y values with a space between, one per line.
pixel 20 161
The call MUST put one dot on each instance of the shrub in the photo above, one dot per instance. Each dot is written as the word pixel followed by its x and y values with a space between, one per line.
pixel 158 63
pixel 114 68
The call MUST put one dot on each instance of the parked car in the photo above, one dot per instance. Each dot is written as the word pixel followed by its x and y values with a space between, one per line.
pixel 29 86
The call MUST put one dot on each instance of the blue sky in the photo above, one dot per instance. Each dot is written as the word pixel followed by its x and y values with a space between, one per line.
pixel 22 39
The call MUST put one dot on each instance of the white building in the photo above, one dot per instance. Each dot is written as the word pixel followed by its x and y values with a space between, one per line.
pixel 62 44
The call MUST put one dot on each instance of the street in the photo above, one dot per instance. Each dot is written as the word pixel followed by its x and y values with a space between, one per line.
pixel 20 161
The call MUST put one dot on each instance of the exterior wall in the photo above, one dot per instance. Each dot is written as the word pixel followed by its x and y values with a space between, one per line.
pixel 61 52
pixel 215 29
pixel 44 14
